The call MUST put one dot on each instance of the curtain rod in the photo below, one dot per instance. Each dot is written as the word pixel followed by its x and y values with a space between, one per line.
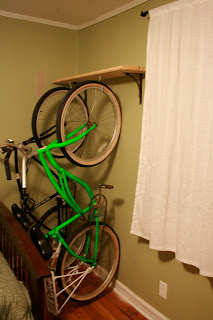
pixel 144 13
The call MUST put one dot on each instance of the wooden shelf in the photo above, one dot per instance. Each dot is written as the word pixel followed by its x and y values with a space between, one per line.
pixel 115 72
pixel 110 73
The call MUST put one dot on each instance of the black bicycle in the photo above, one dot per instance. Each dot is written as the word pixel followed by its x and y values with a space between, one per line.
pixel 26 211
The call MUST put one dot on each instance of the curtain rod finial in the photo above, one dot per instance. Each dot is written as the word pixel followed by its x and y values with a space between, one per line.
pixel 144 13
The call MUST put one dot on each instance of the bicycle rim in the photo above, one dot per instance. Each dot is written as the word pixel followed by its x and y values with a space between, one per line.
pixel 95 279
pixel 104 110
pixel 44 117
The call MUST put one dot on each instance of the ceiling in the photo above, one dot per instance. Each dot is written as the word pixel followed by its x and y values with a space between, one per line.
pixel 72 14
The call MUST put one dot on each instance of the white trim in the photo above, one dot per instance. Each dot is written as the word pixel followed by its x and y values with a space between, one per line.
pixel 126 7
pixel 37 20
pixel 113 13
pixel 127 295
pixel 139 304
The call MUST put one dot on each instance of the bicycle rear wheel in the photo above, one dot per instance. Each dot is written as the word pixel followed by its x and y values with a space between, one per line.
pixel 104 110
pixel 81 281
pixel 50 219
pixel 44 117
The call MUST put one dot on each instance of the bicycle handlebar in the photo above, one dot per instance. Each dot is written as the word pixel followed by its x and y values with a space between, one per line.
pixel 6 163
pixel 28 153
pixel 8 148
pixel 11 146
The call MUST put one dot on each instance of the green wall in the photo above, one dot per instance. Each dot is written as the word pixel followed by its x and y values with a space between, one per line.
pixel 28 48
pixel 117 41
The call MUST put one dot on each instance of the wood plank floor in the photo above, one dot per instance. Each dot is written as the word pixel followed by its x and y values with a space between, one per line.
pixel 108 306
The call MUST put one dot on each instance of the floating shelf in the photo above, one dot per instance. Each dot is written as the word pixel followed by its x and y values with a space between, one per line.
pixel 110 73
pixel 115 72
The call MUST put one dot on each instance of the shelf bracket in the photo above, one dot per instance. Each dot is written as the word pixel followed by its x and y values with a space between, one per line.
pixel 138 82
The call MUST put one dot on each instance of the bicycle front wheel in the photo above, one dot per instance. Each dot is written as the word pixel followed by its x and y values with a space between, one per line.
pixel 44 118
pixel 82 281
pixel 103 110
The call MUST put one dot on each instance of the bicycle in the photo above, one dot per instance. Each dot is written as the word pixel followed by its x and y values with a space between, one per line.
pixel 63 110
pixel 43 122
pixel 25 213
pixel 89 257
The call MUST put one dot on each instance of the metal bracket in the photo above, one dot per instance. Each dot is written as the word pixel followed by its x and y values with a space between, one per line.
pixel 52 292
pixel 138 82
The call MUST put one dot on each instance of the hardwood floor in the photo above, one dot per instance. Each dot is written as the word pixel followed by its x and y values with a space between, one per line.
pixel 108 306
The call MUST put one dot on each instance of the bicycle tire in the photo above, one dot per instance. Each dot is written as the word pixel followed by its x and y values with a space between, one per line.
pixel 49 219
pixel 104 110
pixel 59 214
pixel 96 281
pixel 44 117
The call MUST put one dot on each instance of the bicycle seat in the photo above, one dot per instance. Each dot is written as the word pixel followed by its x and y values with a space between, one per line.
pixel 41 243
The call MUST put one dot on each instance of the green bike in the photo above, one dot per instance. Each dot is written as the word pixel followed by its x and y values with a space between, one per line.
pixel 89 258
pixel 87 129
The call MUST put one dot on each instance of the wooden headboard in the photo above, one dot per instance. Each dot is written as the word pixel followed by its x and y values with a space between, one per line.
pixel 25 261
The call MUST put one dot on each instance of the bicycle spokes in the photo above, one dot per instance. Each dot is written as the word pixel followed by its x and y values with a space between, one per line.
pixel 75 275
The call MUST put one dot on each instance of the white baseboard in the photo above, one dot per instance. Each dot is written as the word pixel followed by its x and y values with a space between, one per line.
pixel 139 304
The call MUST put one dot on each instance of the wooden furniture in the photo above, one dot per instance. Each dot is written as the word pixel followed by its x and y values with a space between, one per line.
pixel 24 260
pixel 110 73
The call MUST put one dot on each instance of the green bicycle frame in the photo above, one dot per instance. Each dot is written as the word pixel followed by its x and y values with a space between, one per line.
pixel 63 189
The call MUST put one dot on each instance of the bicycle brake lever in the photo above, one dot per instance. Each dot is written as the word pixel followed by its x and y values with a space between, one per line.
pixel 9 141
pixel 5 149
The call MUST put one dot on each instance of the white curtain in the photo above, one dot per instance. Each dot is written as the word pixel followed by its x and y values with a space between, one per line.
pixel 174 193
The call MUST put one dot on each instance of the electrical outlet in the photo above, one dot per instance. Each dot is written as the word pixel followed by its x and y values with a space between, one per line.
pixel 163 289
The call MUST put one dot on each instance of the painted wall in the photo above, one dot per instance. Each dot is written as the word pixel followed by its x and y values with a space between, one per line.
pixel 116 41
pixel 28 48
pixel 31 56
